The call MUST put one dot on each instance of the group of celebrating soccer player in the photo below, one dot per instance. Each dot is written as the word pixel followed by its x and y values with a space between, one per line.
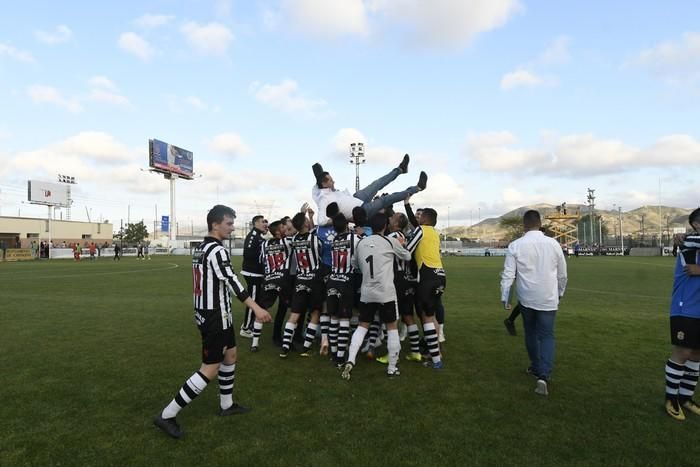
pixel 358 255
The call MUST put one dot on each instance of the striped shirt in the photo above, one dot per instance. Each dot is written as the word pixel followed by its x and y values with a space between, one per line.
pixel 342 251
pixel 212 275
pixel 404 270
pixel 277 254
pixel 307 251
pixel 425 242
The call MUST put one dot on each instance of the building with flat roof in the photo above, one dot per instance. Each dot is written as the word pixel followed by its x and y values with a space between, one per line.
pixel 25 230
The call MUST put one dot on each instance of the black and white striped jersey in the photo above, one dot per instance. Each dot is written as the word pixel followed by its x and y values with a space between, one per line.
pixel 690 248
pixel 342 250
pixel 405 270
pixel 276 253
pixel 212 275
pixel 307 252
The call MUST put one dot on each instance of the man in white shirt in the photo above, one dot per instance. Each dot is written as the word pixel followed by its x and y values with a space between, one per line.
pixel 324 193
pixel 537 265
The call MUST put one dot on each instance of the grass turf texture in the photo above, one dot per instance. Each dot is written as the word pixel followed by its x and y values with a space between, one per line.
pixel 92 351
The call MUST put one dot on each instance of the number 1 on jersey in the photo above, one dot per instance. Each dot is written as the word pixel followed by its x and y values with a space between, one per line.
pixel 370 261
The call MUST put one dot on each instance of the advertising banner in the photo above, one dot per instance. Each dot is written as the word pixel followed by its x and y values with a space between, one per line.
pixel 167 158
pixel 18 254
pixel 50 194
pixel 165 224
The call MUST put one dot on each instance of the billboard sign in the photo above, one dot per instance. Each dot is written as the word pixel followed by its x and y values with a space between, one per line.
pixel 166 158
pixel 164 223
pixel 50 194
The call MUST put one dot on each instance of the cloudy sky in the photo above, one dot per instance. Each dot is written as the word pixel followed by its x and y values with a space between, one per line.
pixel 502 102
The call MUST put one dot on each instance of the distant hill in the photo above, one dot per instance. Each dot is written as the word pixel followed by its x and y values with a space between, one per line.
pixel 490 229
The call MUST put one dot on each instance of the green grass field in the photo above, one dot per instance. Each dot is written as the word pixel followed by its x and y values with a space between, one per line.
pixel 92 351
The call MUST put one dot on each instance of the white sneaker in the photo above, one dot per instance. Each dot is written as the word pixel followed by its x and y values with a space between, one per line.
pixel 246 333
pixel 541 388
pixel 441 337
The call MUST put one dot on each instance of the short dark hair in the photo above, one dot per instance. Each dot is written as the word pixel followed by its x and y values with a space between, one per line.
pixel 217 213
pixel 298 220
pixel 359 215
pixel 285 219
pixel 340 223
pixel 378 222
pixel 274 227
pixel 403 220
pixel 430 214
pixel 532 219
pixel 321 178
pixel 694 216
pixel 257 218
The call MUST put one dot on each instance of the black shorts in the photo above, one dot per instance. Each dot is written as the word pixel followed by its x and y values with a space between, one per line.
pixel 685 332
pixel 274 289
pixel 406 296
pixel 388 312
pixel 307 293
pixel 431 286
pixel 215 339
pixel 340 296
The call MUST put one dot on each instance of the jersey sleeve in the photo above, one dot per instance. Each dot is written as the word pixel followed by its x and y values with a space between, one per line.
pixel 220 262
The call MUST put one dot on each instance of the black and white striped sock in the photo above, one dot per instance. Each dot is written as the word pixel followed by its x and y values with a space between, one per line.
pixel 343 337
pixel 414 338
pixel 227 376
pixel 257 332
pixel 674 374
pixel 333 335
pixel 431 339
pixel 689 380
pixel 310 335
pixel 191 389
pixel 288 335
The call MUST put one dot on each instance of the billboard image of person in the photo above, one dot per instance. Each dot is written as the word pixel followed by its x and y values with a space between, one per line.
pixel 166 157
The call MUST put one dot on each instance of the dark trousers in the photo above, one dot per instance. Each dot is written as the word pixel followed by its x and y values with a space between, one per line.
pixel 254 285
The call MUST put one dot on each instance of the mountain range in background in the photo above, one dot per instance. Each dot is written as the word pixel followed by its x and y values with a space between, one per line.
pixel 651 219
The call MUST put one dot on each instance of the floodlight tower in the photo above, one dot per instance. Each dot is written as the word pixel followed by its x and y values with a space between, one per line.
pixel 591 206
pixel 69 180
pixel 357 157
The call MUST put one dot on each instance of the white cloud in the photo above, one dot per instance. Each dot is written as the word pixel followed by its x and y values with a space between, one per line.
pixel 287 97
pixel 102 82
pixel 46 94
pixel 674 62
pixel 579 154
pixel 208 39
pixel 16 54
pixel 61 34
pixel 196 102
pixel 344 138
pixel 520 78
pixel 97 146
pixel 136 45
pixel 326 19
pixel 448 23
pixel 230 144
pixel 105 91
pixel 149 21
pixel 557 52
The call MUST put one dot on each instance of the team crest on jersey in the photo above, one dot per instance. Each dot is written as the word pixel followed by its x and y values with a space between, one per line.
pixel 680 335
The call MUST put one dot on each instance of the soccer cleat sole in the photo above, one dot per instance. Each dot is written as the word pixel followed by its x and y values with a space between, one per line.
pixel 414 357
pixel 692 407
pixel 347 370
pixel 542 388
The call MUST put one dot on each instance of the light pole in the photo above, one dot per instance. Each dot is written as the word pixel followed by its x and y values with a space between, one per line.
pixel 591 211
pixel 357 157
pixel 68 180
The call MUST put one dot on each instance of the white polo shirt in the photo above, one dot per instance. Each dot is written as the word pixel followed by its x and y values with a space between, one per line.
pixel 536 262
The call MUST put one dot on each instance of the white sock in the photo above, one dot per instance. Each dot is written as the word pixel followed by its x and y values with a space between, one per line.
pixel 357 337
pixel 393 347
